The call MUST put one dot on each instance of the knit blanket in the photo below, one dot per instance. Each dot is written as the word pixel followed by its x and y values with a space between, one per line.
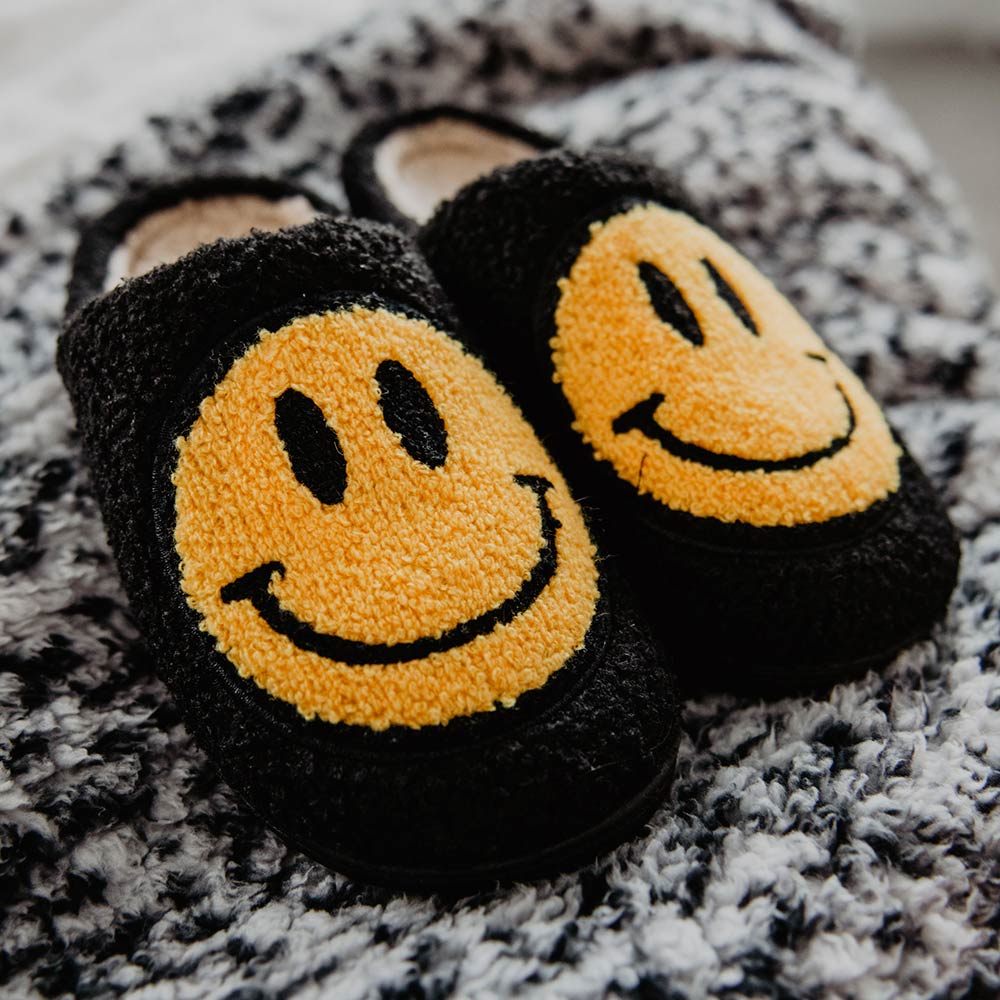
pixel 840 846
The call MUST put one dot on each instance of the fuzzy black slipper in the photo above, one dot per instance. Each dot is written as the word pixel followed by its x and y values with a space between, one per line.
pixel 361 574
pixel 775 526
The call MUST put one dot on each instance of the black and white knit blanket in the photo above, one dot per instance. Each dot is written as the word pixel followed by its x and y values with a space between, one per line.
pixel 847 846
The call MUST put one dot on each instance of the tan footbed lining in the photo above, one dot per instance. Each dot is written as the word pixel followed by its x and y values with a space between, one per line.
pixel 423 165
pixel 170 233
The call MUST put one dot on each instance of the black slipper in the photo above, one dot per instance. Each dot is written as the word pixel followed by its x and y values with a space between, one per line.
pixel 774 525
pixel 357 568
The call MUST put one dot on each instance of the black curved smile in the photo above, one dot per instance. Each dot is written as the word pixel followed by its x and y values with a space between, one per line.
pixel 641 418
pixel 255 587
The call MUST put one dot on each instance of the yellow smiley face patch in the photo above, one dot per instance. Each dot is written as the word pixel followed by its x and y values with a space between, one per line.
pixel 369 529
pixel 704 388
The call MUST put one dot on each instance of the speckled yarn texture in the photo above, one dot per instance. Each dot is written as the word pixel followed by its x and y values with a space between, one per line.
pixel 846 846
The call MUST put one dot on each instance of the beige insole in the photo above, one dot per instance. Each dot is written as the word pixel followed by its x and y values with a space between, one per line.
pixel 171 233
pixel 423 165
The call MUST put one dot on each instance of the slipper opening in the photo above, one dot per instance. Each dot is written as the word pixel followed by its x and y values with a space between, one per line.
pixel 425 163
pixel 165 235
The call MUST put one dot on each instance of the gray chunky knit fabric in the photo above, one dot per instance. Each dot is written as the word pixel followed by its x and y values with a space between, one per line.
pixel 841 847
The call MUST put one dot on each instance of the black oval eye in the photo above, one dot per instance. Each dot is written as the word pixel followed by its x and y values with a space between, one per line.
pixel 670 304
pixel 312 445
pixel 726 293
pixel 409 412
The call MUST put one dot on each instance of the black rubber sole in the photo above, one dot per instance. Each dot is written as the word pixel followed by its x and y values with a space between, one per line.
pixel 764 681
pixel 565 856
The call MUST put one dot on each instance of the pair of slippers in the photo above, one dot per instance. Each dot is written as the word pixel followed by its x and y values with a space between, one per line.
pixel 364 578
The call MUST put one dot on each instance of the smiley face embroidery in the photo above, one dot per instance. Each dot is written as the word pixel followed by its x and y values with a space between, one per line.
pixel 703 387
pixel 370 530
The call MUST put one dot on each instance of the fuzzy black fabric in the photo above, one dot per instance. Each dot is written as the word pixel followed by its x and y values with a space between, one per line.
pixel 410 412
pixel 494 245
pixel 361 184
pixel 765 610
pixel 565 773
pixel 313 446
pixel 760 609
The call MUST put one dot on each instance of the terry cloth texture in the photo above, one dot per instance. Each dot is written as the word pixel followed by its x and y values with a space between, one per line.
pixel 834 847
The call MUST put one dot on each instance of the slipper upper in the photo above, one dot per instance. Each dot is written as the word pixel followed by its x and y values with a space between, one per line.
pixel 362 576
pixel 725 443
